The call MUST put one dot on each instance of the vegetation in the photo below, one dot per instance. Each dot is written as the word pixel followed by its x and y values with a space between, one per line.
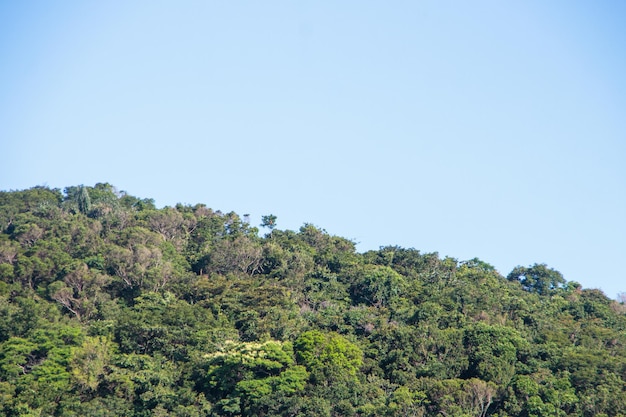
pixel 112 307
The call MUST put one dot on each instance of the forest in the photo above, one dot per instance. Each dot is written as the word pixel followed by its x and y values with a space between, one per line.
pixel 110 306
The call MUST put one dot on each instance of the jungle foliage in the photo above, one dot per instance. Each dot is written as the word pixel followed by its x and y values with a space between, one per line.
pixel 110 306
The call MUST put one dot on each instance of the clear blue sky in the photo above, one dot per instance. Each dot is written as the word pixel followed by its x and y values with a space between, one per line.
pixel 489 129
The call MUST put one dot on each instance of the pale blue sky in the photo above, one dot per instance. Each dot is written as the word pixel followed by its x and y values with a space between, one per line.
pixel 490 129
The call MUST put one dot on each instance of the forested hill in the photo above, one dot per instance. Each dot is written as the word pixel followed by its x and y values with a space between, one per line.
pixel 112 307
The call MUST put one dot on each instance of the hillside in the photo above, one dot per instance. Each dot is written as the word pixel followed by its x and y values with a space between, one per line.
pixel 112 307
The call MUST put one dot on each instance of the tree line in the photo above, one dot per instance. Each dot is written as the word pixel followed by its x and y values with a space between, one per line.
pixel 111 306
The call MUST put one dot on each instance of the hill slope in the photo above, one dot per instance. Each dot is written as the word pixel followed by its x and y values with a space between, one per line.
pixel 109 306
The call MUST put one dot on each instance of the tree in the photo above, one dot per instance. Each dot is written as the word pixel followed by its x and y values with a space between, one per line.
pixel 234 255
pixel 77 199
pixel 376 285
pixel 330 357
pixel 110 306
pixel 268 221
pixel 80 290
pixel 90 361
pixel 253 379
pixel 537 278
pixel 492 352
pixel 84 201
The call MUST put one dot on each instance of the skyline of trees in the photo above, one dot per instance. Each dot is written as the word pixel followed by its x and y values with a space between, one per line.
pixel 110 306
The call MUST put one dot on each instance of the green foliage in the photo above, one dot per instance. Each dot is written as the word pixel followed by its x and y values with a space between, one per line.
pixel 253 378
pixel 90 361
pixel 492 352
pixel 110 306
pixel 377 285
pixel 537 278
pixel 328 356
pixel 269 221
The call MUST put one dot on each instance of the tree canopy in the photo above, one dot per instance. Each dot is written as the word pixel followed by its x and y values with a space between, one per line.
pixel 112 306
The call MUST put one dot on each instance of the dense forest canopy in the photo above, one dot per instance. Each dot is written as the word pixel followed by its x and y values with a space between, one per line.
pixel 111 306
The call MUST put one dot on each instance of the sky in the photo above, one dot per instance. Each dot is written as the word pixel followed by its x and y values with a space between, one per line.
pixel 484 129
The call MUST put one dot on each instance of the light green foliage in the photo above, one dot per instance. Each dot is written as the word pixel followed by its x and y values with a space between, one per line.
pixel 89 362
pixel 329 357
pixel 542 393
pixel 147 380
pixel 16 358
pixel 37 368
pixel 404 402
pixel 253 378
